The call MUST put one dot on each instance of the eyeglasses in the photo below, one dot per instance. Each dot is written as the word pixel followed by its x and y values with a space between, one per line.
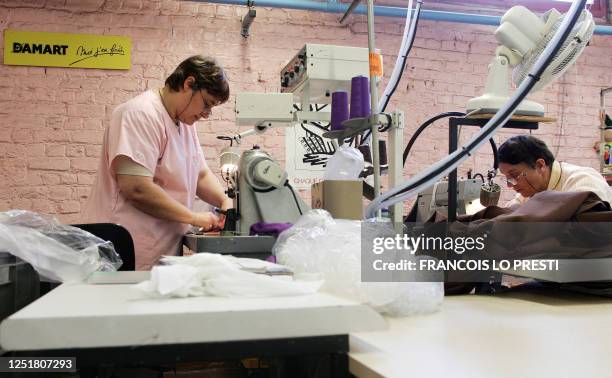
pixel 207 105
pixel 513 181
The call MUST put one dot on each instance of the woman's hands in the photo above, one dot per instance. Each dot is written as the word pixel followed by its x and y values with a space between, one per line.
pixel 207 221
pixel 210 221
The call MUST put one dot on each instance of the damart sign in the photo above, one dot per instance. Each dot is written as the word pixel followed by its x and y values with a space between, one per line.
pixel 44 49
pixel 462 252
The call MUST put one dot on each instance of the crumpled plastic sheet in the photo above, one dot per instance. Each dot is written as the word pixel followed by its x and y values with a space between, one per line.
pixel 209 274
pixel 56 251
pixel 317 244
pixel 345 164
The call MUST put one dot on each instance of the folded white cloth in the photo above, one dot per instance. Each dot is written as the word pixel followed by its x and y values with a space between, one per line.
pixel 210 259
pixel 207 274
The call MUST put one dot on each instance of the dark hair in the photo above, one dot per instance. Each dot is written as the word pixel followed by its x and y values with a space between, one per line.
pixel 208 75
pixel 524 149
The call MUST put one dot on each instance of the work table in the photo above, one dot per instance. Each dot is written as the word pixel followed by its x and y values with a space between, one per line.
pixel 538 333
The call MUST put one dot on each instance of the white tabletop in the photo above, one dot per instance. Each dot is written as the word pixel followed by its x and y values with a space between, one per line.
pixel 515 335
pixel 86 316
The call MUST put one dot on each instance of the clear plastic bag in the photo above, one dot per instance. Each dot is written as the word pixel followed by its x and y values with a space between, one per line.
pixel 345 164
pixel 319 244
pixel 58 252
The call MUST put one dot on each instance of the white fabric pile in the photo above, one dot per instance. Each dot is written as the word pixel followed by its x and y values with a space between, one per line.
pixel 208 274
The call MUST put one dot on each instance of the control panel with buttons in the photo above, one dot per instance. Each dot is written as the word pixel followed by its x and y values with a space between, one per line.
pixel 323 69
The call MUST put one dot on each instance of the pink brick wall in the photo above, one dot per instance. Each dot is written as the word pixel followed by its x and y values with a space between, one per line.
pixel 52 119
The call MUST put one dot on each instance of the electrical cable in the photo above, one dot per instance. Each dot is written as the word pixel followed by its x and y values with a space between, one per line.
pixel 397 74
pixel 495 157
pixel 481 176
pixel 297 203
pixel 451 162
pixel 432 120
pixel 422 128
pixel 412 34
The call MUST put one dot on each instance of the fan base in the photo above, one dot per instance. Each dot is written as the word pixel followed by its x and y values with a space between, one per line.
pixel 490 104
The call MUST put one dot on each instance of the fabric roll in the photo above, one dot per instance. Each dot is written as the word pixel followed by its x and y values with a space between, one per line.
pixel 360 97
pixel 339 110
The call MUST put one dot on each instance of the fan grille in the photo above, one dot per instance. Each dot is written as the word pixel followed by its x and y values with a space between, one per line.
pixel 522 70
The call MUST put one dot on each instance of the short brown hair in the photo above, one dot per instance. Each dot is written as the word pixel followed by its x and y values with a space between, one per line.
pixel 208 75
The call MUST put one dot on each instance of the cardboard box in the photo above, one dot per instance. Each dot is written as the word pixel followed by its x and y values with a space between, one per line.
pixel 343 199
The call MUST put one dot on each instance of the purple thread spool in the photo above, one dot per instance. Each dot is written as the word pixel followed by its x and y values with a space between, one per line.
pixel 339 110
pixel 360 97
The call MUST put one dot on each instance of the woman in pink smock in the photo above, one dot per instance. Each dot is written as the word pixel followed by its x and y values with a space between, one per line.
pixel 152 166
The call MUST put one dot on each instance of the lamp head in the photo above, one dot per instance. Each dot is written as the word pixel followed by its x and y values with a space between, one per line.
pixel 228 159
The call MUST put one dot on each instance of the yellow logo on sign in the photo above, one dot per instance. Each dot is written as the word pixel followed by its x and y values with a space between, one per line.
pixel 67 50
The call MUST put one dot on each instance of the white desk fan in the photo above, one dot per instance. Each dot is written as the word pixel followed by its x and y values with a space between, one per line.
pixel 523 36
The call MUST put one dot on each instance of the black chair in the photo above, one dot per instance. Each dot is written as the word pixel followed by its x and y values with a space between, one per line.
pixel 119 236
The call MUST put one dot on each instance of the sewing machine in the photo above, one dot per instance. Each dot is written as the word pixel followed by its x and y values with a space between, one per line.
pixel 435 198
pixel 261 193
